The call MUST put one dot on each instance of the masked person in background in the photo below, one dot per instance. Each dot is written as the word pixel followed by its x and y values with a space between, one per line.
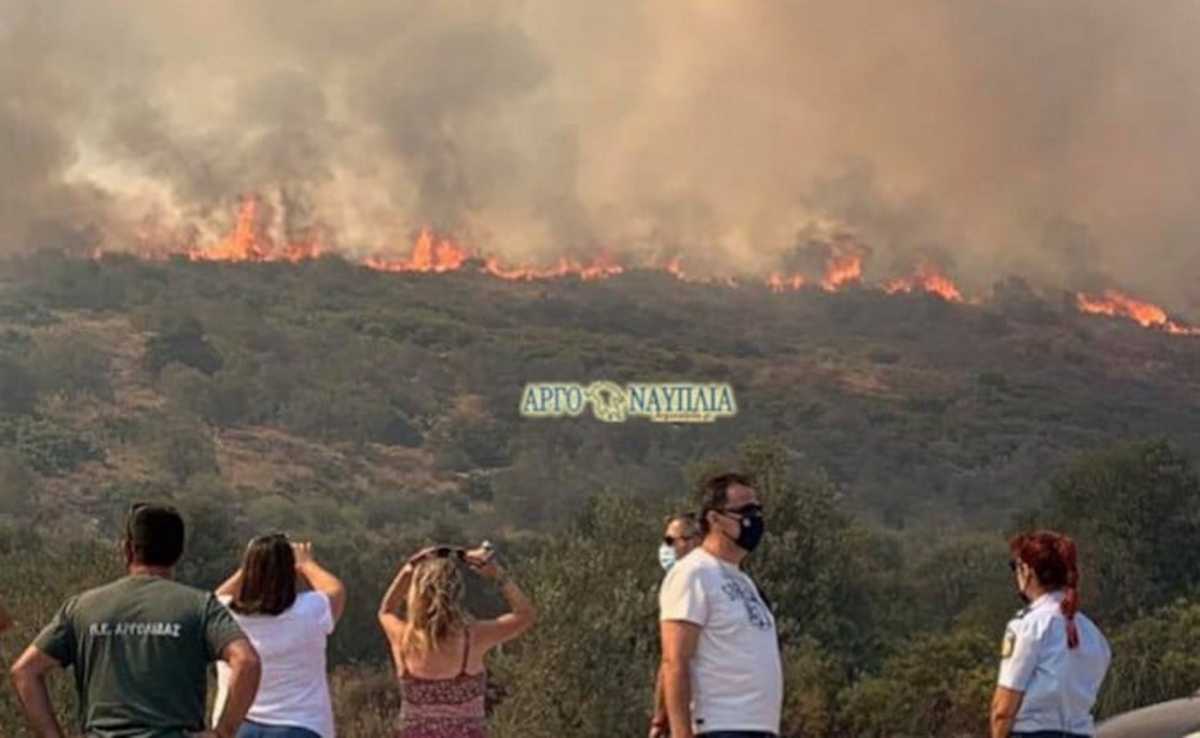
pixel 722 672
pixel 140 647
pixel 681 536
pixel 1053 658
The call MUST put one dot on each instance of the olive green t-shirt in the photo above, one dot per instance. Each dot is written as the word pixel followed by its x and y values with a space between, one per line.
pixel 140 648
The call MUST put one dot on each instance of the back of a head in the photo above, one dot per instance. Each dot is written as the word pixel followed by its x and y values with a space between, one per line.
pixel 155 535
pixel 687 521
pixel 714 494
pixel 268 577
pixel 1052 557
pixel 435 606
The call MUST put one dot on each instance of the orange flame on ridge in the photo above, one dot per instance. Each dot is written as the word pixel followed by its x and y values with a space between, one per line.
pixel 842 269
pixel 1115 303
pixel 249 242
pixel 927 279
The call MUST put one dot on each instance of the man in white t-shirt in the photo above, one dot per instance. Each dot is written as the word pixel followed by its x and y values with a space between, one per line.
pixel 721 668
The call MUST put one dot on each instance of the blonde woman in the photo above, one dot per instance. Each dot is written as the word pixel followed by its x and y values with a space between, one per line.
pixel 438 649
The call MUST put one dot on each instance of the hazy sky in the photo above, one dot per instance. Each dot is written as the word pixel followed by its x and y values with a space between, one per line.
pixel 1056 140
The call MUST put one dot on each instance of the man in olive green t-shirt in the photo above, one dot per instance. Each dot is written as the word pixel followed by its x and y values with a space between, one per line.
pixel 140 647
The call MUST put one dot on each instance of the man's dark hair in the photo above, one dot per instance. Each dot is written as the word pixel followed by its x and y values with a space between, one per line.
pixel 155 534
pixel 714 493
pixel 690 523
pixel 268 577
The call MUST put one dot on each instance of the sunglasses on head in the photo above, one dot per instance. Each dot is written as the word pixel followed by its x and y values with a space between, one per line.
pixel 445 552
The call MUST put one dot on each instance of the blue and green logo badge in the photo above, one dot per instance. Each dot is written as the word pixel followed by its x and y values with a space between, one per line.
pixel 662 402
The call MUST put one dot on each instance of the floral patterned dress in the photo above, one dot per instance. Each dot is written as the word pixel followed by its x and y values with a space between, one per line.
pixel 443 708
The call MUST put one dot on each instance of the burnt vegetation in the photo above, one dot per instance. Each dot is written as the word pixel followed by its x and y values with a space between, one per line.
pixel 898 439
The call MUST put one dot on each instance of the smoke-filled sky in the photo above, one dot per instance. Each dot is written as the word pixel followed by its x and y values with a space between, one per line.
pixel 1054 140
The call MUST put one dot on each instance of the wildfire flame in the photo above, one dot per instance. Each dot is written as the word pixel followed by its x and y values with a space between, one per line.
pixel 778 282
pixel 429 254
pixel 841 269
pixel 250 241
pixel 601 267
pixel 1118 304
pixel 927 279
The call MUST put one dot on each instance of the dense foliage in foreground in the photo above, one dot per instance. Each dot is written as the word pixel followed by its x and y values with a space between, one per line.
pixel 882 635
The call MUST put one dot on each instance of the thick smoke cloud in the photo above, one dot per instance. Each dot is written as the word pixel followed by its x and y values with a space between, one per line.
pixel 1050 140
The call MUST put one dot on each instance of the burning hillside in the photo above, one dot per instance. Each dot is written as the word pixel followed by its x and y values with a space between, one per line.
pixel 842 268
pixel 1118 304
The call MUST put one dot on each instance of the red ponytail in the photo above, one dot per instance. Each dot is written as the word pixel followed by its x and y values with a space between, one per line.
pixel 1052 556
pixel 1070 604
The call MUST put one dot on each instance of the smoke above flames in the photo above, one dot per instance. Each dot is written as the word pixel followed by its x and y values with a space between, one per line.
pixel 920 145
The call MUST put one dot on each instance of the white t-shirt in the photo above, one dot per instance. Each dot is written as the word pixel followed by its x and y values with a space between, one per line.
pixel 736 674
pixel 1060 683
pixel 294 690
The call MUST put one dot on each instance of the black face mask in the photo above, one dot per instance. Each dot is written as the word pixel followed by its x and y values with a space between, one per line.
pixel 750 532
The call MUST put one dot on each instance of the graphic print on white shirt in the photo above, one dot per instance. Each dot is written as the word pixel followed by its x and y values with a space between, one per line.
pixel 744 592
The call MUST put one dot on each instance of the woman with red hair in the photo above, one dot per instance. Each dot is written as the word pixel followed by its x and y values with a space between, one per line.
pixel 1053 658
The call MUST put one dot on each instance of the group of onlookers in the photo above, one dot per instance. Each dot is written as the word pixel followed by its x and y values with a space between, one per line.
pixel 721 674
pixel 140 646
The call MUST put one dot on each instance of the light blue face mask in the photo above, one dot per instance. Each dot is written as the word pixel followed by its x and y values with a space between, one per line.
pixel 666 556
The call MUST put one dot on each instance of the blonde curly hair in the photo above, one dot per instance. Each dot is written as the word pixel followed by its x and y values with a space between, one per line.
pixel 434 607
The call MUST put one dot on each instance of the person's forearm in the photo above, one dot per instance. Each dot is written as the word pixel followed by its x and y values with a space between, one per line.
pixel 243 687
pixel 396 591
pixel 1001 725
pixel 517 600
pixel 660 696
pixel 231 586
pixel 677 690
pixel 320 579
pixel 35 701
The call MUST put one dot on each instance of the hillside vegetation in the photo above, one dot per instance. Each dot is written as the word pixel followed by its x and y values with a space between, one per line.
pixel 897 439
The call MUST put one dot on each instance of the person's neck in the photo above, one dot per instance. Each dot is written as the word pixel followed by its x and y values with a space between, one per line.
pixel 1035 593
pixel 719 545
pixel 145 570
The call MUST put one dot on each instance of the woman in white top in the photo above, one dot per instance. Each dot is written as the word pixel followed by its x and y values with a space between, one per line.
pixel 1053 658
pixel 289 629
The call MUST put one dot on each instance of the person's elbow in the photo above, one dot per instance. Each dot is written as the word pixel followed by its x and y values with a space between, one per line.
pixel 673 665
pixel 527 617
pixel 22 674
pixel 16 675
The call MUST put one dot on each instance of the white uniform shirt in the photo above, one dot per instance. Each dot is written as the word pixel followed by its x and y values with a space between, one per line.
pixel 294 690
pixel 1060 683
pixel 736 673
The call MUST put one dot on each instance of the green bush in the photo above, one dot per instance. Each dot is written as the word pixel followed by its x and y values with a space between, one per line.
pixel 181 339
pixel 46 446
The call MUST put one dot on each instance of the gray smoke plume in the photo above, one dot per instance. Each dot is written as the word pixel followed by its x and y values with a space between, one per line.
pixel 1049 140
